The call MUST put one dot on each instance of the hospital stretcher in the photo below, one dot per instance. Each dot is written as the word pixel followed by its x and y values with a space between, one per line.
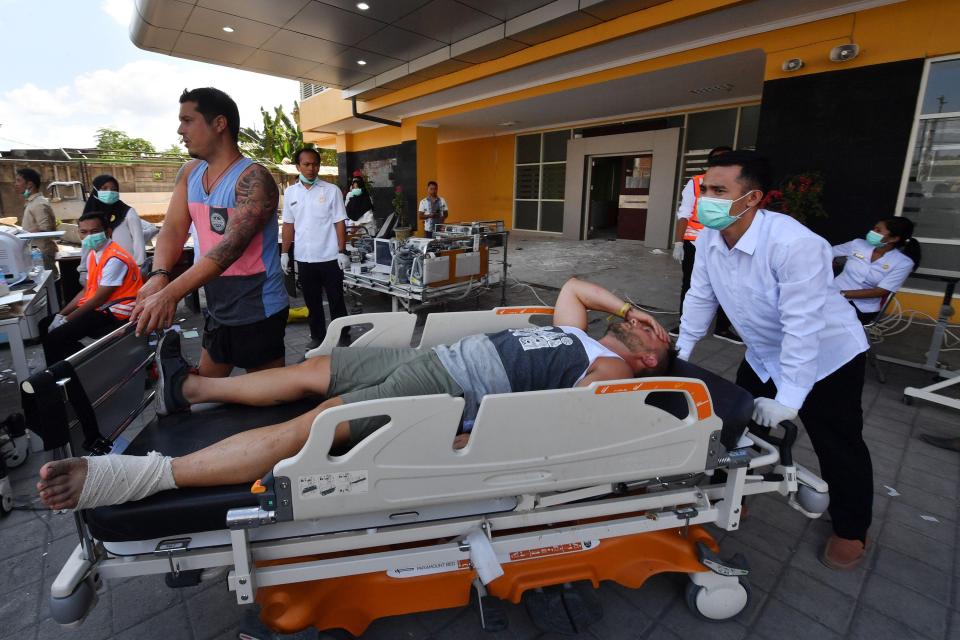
pixel 613 481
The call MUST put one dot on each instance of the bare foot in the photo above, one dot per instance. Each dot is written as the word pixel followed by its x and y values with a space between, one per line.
pixel 460 441
pixel 61 482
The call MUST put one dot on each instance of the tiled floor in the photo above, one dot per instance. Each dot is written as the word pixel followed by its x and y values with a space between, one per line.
pixel 909 586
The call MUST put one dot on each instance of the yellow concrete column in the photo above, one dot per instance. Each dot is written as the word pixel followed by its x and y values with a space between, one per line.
pixel 426 163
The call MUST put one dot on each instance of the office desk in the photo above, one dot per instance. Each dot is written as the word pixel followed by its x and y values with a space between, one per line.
pixel 42 292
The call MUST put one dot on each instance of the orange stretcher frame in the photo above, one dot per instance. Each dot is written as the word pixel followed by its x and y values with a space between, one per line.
pixel 354 602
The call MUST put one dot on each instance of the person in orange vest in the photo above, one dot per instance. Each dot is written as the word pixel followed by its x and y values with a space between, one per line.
pixel 113 281
pixel 688 227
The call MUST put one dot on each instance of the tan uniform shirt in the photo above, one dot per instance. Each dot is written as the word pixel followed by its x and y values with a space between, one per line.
pixel 38 216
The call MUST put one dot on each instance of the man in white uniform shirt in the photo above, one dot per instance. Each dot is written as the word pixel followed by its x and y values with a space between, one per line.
pixel 313 221
pixel 805 346
pixel 432 209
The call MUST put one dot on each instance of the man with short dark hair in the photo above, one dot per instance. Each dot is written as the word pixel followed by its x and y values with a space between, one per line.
pixel 37 215
pixel 515 360
pixel 313 222
pixel 432 209
pixel 805 346
pixel 113 280
pixel 232 203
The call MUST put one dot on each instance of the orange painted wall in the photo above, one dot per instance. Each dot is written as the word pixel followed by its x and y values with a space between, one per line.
pixel 476 178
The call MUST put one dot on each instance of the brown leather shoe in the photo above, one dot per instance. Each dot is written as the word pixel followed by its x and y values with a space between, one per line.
pixel 842 554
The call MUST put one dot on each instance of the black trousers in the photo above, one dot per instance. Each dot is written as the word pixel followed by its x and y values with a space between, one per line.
pixel 833 417
pixel 689 253
pixel 64 341
pixel 315 279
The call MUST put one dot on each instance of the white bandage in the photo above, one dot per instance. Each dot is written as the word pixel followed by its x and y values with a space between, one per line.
pixel 115 479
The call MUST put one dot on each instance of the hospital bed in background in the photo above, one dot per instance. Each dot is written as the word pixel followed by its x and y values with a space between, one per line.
pixel 568 487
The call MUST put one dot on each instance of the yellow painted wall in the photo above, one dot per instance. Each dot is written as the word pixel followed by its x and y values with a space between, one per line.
pixel 476 178
pixel 928 303
pixel 426 159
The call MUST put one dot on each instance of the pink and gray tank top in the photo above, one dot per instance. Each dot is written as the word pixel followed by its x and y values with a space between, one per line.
pixel 251 289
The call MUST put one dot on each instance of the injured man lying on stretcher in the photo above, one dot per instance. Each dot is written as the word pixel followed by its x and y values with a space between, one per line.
pixel 514 360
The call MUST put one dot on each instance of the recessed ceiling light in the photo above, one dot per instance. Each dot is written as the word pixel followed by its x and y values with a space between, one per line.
pixel 361 62
pixel 508 123
pixel 363 6
pixel 228 29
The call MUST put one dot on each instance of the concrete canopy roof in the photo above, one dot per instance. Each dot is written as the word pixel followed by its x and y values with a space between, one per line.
pixel 323 41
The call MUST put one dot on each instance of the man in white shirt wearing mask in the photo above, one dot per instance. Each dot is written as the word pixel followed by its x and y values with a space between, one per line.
pixel 313 221
pixel 805 347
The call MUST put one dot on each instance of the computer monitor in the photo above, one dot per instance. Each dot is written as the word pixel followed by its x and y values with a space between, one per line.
pixel 383 254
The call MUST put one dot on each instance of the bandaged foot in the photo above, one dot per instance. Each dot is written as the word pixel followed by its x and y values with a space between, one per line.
pixel 96 481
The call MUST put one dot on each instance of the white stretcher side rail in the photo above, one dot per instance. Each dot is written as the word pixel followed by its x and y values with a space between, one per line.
pixel 389 329
pixel 521 443
pixel 396 328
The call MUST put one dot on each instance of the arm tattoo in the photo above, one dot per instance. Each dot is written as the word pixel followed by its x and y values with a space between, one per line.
pixel 257 198
pixel 182 170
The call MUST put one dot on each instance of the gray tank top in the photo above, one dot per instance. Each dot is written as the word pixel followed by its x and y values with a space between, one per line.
pixel 530 359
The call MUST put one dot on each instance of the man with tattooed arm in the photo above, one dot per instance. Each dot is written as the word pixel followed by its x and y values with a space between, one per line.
pixel 232 202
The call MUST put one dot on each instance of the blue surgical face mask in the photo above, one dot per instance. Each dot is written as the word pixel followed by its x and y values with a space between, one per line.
pixel 94 241
pixel 107 197
pixel 305 181
pixel 714 213
pixel 355 192
pixel 26 193
pixel 875 239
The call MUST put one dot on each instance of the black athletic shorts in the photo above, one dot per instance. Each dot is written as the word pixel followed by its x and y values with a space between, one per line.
pixel 248 346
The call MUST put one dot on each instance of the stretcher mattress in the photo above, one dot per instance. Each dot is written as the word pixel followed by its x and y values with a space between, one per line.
pixel 186 511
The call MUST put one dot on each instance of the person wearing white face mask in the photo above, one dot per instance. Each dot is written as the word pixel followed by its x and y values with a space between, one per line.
pixel 37 215
pixel 805 347
pixel 121 218
pixel 106 301
pixel 877 265
pixel 313 223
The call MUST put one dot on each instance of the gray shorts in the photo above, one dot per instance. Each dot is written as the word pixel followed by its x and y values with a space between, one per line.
pixel 358 374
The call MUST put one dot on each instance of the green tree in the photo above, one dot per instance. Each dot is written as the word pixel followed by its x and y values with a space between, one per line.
pixel 175 149
pixel 279 138
pixel 116 140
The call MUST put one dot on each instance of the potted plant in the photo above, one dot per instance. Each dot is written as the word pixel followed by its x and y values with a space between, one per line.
pixel 800 197
pixel 402 231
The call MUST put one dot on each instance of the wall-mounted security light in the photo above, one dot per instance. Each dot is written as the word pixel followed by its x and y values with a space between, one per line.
pixel 792 64
pixel 844 52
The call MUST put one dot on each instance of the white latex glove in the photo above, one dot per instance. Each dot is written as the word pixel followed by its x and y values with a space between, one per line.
pixel 344 261
pixel 57 321
pixel 678 251
pixel 767 412
pixel 285 262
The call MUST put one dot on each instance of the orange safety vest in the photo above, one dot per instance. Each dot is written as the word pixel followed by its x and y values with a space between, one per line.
pixel 693 223
pixel 121 301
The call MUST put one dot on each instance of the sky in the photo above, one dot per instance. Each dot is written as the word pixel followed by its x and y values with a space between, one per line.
pixel 70 69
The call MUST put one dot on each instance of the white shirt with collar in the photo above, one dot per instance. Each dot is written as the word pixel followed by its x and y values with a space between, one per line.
pixel 775 285
pixel 439 205
pixel 859 272
pixel 314 213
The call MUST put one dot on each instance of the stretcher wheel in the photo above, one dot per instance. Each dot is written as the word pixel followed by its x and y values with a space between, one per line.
pixel 718 603
pixel 6 505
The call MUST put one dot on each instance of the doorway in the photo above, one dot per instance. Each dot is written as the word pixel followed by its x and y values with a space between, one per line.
pixel 618 196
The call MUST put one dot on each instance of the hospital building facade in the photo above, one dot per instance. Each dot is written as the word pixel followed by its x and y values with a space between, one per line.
pixel 583 119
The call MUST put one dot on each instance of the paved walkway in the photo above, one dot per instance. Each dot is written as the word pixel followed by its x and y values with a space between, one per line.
pixel 909 586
